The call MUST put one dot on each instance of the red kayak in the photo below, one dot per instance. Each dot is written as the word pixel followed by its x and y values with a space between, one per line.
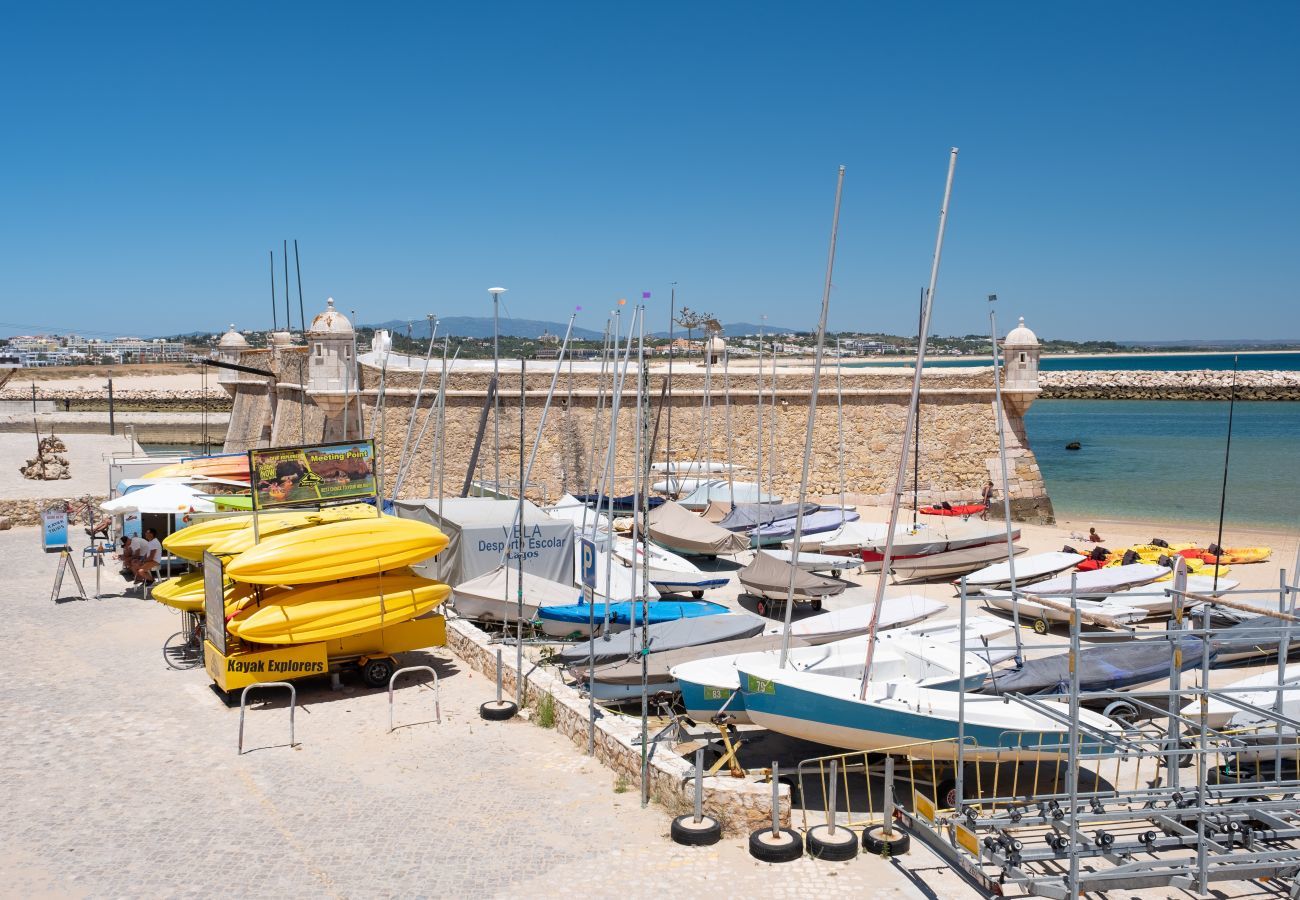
pixel 960 509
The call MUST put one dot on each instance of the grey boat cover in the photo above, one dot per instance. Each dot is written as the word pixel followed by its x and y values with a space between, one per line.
pixel 658 665
pixel 767 574
pixel 664 636
pixel 1117 666
pixel 677 528
pixel 744 516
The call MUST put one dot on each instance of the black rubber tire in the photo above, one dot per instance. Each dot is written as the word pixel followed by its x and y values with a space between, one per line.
pixel 493 713
pixel 698 595
pixel 842 849
pixel 763 849
pixel 761 607
pixel 1040 626
pixel 685 831
pixel 945 793
pixel 816 604
pixel 376 672
pixel 875 843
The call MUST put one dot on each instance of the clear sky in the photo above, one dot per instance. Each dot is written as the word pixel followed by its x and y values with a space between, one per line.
pixel 1127 170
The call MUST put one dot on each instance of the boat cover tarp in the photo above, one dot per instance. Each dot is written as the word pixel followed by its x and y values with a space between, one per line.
pixel 1109 667
pixel 1117 666
pixel 1099 581
pixel 582 516
pixel 479 531
pixel 624 504
pixel 701 495
pixel 666 636
pixel 680 529
pixel 658 665
pixel 716 511
pixel 746 516
pixel 630 613
pixel 822 520
pixel 502 585
pixel 767 574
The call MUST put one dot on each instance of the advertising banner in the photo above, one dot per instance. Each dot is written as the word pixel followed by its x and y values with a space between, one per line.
pixel 54 531
pixel 214 600
pixel 322 473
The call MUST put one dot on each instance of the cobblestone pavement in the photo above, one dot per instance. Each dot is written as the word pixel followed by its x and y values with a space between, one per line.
pixel 121 778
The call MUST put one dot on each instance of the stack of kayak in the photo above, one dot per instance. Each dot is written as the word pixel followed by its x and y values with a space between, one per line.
pixel 333 581
pixel 312 576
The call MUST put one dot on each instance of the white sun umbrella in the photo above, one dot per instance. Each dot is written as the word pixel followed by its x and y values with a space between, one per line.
pixel 164 497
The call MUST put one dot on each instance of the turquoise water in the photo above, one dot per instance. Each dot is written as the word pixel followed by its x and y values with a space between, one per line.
pixel 1158 362
pixel 1163 460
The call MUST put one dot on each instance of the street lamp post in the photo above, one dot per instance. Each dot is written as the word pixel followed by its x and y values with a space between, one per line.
pixel 496 293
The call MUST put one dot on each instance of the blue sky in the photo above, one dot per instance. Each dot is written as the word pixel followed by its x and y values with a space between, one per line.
pixel 1126 170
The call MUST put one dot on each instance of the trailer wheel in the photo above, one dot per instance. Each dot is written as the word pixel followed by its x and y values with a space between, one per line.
pixel 1040 626
pixel 945 794
pixel 816 604
pixel 376 672
pixel 762 607
pixel 498 712
pixel 698 595
pixel 786 847
pixel 686 831
pixel 839 847
pixel 878 842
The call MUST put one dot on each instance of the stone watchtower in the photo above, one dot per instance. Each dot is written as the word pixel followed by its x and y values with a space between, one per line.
pixel 229 349
pixel 332 372
pixel 1029 500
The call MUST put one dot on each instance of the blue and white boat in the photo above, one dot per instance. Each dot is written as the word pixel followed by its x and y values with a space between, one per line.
pixel 574 618
pixel 669 573
pixel 901 711
pixel 823 520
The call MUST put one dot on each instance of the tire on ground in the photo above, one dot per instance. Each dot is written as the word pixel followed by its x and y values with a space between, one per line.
pixel 498 713
pixel 787 848
pixel 685 831
pixel 841 847
pixel 876 843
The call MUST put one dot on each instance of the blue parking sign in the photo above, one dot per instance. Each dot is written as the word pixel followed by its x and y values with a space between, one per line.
pixel 588 563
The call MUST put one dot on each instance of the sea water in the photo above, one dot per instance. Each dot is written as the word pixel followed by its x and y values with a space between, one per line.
pixel 1153 362
pixel 1163 460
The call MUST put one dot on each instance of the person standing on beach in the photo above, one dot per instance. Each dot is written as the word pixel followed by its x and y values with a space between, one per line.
pixel 986 497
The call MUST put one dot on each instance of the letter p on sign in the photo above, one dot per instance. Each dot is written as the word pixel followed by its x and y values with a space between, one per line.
pixel 588 563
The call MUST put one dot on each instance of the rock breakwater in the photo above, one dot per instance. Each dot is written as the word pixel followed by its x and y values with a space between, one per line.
pixel 1199 384
pixel 82 400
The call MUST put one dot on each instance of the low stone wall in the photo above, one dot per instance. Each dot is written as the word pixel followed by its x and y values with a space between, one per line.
pixel 1200 384
pixel 27 511
pixel 740 805
pixel 81 400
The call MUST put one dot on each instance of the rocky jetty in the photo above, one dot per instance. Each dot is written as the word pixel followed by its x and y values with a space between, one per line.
pixel 81 400
pixel 1197 384
pixel 49 464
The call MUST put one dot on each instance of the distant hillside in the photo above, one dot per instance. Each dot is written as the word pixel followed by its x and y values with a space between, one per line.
pixel 736 329
pixel 481 327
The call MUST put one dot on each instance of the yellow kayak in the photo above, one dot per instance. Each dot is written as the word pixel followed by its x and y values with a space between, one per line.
pixel 1236 555
pixel 184 592
pixel 190 542
pixel 340 609
pixel 237 542
pixel 338 550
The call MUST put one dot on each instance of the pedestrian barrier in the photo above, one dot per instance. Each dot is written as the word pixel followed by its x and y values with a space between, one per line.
pixel 243 700
pixel 437 693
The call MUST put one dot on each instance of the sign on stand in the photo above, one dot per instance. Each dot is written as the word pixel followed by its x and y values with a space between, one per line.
pixel 322 473
pixel 214 601
pixel 54 529
pixel 588 563
pixel 65 566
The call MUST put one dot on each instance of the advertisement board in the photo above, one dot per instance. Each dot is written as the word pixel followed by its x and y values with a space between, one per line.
pixel 214 600
pixel 54 529
pixel 319 473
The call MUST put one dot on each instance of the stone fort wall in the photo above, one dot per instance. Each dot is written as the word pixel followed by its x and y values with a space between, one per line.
pixel 958 429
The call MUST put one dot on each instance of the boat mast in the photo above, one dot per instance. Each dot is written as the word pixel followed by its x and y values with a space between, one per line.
pixel 812 419
pixel 839 418
pixel 901 479
pixel 1223 492
pixel 1002 459
pixel 759 407
pixel 916 439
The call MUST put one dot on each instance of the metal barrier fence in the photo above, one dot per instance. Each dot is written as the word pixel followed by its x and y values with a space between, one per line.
pixel 243 701
pixel 437 693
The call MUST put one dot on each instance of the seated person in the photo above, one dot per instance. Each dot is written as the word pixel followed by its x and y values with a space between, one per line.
pixel 128 554
pixel 150 555
pixel 1093 536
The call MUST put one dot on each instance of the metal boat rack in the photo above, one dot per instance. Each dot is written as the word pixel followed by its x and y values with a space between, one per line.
pixel 1165 800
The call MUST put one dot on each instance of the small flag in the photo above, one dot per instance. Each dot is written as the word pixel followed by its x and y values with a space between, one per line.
pixel 577 309
pixel 645 295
